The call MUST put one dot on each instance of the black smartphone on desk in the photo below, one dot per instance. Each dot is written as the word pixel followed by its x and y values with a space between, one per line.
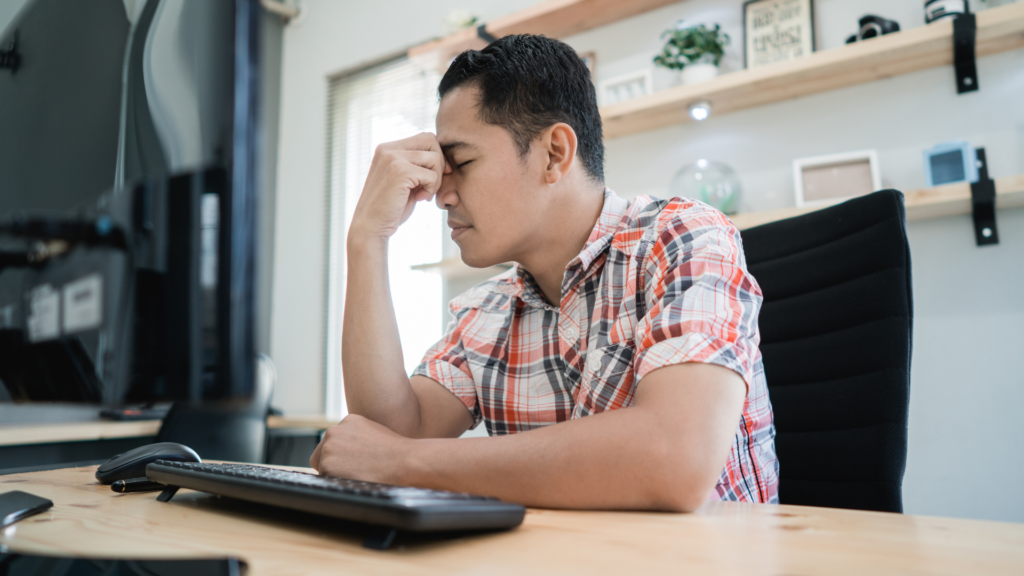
pixel 13 564
pixel 15 505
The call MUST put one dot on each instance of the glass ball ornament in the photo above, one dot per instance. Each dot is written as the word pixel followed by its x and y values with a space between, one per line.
pixel 713 183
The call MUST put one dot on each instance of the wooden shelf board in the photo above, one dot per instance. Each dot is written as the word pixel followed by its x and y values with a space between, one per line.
pixel 948 200
pixel 554 18
pixel 456 268
pixel 999 29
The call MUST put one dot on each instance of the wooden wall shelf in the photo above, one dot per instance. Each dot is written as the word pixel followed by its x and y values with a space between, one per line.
pixel 948 200
pixel 999 29
pixel 554 18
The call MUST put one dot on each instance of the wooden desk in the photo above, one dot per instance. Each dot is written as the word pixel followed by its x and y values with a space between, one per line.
pixel 721 538
pixel 109 429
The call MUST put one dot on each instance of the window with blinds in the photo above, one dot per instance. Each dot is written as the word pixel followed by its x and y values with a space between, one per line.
pixel 387 102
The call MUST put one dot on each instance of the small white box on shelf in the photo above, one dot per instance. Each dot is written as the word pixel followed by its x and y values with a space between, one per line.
pixel 625 87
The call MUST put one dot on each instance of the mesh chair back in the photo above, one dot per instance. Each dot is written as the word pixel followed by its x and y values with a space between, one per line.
pixel 836 341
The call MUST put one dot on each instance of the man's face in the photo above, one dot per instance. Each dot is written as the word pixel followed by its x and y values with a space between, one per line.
pixel 493 197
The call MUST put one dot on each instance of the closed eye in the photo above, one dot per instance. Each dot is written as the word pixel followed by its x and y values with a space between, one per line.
pixel 463 164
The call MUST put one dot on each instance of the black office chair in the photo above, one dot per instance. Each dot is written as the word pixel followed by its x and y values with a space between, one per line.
pixel 836 341
pixel 231 430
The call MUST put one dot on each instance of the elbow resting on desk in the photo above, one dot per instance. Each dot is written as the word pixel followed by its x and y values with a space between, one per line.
pixel 683 423
pixel 672 485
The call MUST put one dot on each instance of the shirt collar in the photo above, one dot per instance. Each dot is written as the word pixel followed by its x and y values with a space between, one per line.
pixel 604 230
pixel 527 290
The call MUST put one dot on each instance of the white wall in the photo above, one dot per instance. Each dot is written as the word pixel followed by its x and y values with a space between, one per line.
pixel 965 443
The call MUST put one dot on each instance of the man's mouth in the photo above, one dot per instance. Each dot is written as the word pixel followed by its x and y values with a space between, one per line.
pixel 458 228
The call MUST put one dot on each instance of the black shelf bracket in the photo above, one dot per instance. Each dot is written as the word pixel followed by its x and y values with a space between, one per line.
pixel 983 205
pixel 483 34
pixel 10 58
pixel 965 31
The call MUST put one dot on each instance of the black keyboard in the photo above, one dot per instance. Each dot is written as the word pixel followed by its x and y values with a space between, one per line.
pixel 396 507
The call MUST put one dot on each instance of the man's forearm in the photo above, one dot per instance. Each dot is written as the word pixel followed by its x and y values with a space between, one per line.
pixel 614 460
pixel 376 385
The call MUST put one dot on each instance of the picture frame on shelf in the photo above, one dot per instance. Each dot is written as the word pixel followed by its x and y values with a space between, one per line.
pixel 625 87
pixel 949 162
pixel 834 177
pixel 777 31
pixel 590 59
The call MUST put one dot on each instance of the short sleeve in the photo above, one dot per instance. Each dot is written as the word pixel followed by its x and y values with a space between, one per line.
pixel 445 362
pixel 702 303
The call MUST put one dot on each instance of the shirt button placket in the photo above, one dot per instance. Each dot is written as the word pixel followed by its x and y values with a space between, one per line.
pixel 569 331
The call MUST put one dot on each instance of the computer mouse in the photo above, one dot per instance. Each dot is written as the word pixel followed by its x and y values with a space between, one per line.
pixel 132 464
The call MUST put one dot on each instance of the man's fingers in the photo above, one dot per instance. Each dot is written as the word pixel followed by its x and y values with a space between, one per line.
pixel 433 158
pixel 425 180
pixel 433 161
pixel 430 160
pixel 421 195
pixel 314 460
pixel 424 141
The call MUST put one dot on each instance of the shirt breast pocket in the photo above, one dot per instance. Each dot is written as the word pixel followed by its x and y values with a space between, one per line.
pixel 607 380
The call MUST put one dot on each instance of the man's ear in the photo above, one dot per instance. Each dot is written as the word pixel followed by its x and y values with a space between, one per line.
pixel 558 142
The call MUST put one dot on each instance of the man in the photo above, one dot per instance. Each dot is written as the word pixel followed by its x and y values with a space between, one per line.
pixel 615 366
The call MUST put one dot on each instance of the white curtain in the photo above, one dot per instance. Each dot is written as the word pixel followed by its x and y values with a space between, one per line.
pixel 388 102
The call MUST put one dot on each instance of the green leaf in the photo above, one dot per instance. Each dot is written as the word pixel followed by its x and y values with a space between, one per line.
pixel 688 45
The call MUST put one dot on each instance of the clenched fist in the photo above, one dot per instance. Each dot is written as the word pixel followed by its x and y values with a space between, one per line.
pixel 361 449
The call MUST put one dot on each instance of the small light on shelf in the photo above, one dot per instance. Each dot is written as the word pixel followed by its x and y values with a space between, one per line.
pixel 700 110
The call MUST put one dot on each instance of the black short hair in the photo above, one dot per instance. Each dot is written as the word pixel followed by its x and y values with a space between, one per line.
pixel 527 83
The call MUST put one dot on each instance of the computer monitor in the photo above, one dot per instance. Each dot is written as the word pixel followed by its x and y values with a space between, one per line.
pixel 128 200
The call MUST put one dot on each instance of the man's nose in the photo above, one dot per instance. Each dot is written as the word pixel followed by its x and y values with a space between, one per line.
pixel 447 197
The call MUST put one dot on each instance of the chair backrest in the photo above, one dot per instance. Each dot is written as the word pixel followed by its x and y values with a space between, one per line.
pixel 231 430
pixel 836 341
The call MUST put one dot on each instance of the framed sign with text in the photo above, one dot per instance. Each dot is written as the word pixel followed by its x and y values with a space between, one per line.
pixel 777 30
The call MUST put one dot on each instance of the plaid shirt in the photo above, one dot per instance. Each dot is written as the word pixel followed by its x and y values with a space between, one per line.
pixel 519 363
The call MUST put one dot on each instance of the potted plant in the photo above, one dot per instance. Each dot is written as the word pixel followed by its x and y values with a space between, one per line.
pixel 694 50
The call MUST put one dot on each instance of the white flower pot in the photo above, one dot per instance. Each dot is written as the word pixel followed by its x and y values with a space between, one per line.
pixel 701 72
